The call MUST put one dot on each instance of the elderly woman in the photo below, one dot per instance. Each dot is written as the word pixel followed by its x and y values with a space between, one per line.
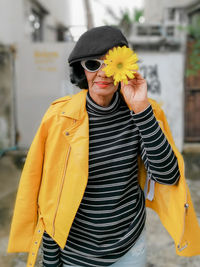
pixel 82 188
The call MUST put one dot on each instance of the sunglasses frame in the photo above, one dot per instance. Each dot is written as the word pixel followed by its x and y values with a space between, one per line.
pixel 101 61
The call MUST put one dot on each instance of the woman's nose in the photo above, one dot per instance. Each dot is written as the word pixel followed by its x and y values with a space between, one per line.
pixel 101 72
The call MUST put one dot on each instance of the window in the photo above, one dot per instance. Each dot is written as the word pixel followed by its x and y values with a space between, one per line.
pixel 36 19
pixel 63 34
pixel 171 14
pixel 170 30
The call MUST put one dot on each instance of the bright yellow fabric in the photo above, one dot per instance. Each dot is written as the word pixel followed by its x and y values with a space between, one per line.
pixel 55 176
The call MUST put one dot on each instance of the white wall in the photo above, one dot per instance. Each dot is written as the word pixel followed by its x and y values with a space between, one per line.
pixel 45 79
pixel 165 75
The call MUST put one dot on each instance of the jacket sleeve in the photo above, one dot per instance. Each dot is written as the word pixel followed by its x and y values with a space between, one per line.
pixel 156 152
pixel 25 212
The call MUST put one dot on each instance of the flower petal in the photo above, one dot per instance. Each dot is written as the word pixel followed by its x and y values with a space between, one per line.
pixel 121 64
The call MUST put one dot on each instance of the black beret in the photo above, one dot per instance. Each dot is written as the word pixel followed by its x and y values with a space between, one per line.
pixel 96 42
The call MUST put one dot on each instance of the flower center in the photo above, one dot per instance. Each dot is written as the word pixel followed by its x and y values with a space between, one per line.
pixel 120 65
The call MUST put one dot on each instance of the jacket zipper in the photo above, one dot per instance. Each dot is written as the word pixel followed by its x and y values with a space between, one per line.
pixel 61 187
pixel 186 206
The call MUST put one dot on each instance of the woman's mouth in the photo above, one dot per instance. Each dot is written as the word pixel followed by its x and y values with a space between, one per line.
pixel 102 84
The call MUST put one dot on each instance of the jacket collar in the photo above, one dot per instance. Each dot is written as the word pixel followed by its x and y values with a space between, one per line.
pixel 75 106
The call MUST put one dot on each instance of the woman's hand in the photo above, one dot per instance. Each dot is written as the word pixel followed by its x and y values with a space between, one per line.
pixel 135 93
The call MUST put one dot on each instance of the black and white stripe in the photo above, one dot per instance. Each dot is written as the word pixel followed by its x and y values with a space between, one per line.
pixel 51 252
pixel 111 215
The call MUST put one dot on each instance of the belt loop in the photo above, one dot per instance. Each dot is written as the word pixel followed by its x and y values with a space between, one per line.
pixel 150 194
pixel 150 184
pixel 146 185
pixel 35 244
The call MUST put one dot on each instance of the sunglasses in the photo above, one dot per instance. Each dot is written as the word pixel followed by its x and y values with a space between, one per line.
pixel 92 65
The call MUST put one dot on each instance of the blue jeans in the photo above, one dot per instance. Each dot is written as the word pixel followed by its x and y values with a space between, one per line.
pixel 135 257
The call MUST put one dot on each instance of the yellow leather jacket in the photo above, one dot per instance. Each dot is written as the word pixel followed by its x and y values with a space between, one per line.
pixel 55 176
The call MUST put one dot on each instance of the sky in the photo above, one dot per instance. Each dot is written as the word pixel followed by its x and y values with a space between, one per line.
pixel 77 14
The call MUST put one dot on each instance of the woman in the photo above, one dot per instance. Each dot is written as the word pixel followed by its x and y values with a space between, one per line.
pixel 80 186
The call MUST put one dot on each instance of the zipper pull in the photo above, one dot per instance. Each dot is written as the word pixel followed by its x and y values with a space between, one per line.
pixel 186 207
pixel 183 247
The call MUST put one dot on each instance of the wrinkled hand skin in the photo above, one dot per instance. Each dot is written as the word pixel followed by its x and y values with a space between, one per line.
pixel 135 93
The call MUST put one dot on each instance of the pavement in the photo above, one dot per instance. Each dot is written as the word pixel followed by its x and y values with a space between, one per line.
pixel 160 247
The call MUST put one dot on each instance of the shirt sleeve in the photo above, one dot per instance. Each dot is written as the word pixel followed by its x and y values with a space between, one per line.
pixel 156 152
pixel 51 252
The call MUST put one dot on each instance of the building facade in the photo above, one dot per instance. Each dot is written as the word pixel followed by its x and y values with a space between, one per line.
pixel 35 40
pixel 162 41
pixel 34 21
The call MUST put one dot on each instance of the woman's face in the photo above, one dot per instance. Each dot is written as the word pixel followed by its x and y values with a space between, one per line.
pixel 100 85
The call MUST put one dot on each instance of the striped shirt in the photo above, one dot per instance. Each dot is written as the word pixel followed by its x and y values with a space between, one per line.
pixel 112 214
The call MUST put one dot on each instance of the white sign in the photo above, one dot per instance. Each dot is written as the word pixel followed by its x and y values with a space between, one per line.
pixel 164 72
pixel 42 75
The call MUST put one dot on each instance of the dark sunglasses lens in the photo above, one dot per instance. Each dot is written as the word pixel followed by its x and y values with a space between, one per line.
pixel 92 65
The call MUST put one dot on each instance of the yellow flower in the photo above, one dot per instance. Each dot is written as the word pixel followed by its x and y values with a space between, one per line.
pixel 121 64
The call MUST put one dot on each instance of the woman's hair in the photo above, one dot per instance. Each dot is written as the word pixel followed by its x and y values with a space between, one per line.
pixel 77 76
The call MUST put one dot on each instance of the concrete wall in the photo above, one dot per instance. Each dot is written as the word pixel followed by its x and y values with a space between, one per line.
pixel 11 21
pixel 45 79
pixel 164 72
pixel 178 3
pixel 154 9
pixel 59 14
pixel 58 11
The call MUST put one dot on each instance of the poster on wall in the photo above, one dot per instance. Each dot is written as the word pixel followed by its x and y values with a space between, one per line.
pixel 164 73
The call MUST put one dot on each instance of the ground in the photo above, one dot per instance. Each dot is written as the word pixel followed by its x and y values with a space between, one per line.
pixel 160 247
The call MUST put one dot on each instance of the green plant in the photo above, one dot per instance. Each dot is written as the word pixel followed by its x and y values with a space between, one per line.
pixel 194 59
pixel 126 18
pixel 193 31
